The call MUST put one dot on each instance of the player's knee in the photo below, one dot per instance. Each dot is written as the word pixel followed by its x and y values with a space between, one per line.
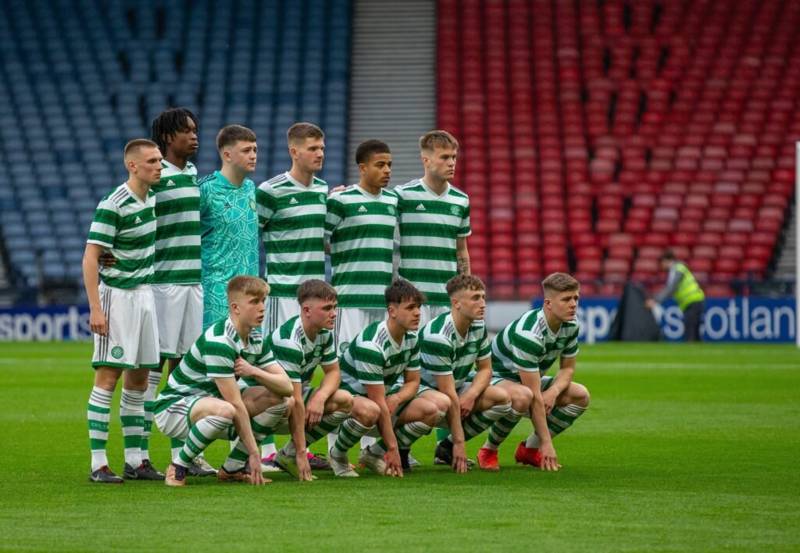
pixel 225 409
pixel 521 398
pixel 581 395
pixel 366 412
pixel 431 413
pixel 441 401
pixel 499 396
pixel 343 400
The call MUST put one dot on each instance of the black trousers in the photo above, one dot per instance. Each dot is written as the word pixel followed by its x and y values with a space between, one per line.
pixel 692 318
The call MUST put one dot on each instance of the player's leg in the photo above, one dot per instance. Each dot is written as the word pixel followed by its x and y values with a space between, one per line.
pixel 209 419
pixel 349 322
pixel 267 411
pixel 492 405
pixel 414 420
pixel 569 405
pixel 98 414
pixel 692 318
pixel 363 418
pixel 521 398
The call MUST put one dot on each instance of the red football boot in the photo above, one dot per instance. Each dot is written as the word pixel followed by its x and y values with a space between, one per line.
pixel 528 455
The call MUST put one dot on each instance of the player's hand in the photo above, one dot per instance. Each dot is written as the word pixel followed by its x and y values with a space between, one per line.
pixel 394 467
pixel 314 411
pixel 336 189
pixel 549 457
pixel 243 368
pixel 549 399
pixel 467 404
pixel 107 259
pixel 459 458
pixel 392 403
pixel 649 303
pixel 303 468
pixel 98 322
pixel 254 465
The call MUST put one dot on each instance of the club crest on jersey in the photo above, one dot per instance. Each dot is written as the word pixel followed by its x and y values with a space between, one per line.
pixel 455 210
pixel 323 199
pixel 391 210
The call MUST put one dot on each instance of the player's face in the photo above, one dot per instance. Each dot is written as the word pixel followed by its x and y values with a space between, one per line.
pixel 242 155
pixel 564 305
pixel 321 313
pixel 308 155
pixel 440 163
pixel 145 165
pixel 249 309
pixel 471 303
pixel 377 171
pixel 184 142
pixel 406 314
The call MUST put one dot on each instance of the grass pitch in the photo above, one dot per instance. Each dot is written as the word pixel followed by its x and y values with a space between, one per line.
pixel 685 448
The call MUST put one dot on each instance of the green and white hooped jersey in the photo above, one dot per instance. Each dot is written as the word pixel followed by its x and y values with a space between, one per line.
pixel 529 345
pixel 297 354
pixel 291 217
pixel 375 358
pixel 212 356
pixel 444 351
pixel 126 226
pixel 360 228
pixel 429 227
pixel 177 258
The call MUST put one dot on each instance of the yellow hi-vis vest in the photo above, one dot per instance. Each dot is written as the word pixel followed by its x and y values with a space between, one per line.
pixel 688 291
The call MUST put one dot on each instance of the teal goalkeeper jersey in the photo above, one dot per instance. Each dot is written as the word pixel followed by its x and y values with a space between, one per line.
pixel 229 239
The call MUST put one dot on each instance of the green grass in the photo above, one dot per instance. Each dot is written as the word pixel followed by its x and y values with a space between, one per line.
pixel 685 448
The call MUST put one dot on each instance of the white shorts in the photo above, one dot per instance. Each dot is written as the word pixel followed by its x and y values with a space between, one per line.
pixel 352 320
pixel 179 309
pixel 279 310
pixel 174 421
pixel 132 339
pixel 429 312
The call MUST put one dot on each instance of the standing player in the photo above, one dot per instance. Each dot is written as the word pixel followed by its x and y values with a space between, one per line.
pixel 381 369
pixel 291 217
pixel 450 346
pixel 228 219
pixel 299 345
pixel 434 226
pixel 524 350
pixel 202 401
pixel 176 282
pixel 122 311
pixel 360 227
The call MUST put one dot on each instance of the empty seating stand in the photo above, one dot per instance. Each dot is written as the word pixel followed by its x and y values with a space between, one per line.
pixel 596 134
pixel 81 77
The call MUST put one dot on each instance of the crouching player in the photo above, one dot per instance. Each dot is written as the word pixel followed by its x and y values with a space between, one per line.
pixel 202 401
pixel 299 345
pixel 524 350
pixel 381 369
pixel 450 346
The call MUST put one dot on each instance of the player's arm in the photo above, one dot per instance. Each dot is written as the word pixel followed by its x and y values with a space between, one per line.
pixel 377 393
pixel 91 280
pixel 447 385
pixel 560 383
pixel 229 390
pixel 532 380
pixel 479 384
pixel 462 256
pixel 297 427
pixel 271 376
pixel 330 383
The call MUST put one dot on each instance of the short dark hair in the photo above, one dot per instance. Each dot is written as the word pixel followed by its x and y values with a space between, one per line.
pixel 300 131
pixel 668 255
pixel 137 144
pixel 464 282
pixel 248 285
pixel 168 123
pixel 315 289
pixel 231 134
pixel 560 282
pixel 369 148
pixel 402 290
pixel 437 139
